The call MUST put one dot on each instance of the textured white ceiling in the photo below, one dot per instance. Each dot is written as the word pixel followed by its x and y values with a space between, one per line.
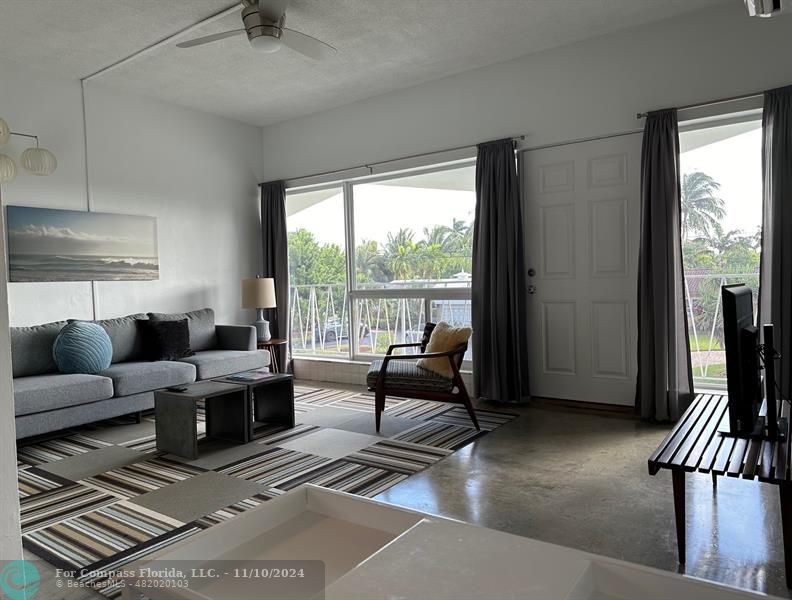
pixel 383 45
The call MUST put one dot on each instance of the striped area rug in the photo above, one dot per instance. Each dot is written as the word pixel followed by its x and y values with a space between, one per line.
pixel 96 523
pixel 141 477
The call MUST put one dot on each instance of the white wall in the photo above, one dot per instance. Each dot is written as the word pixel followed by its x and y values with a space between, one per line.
pixel 591 88
pixel 195 172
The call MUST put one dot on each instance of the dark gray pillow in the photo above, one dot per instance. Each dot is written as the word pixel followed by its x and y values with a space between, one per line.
pixel 125 337
pixel 201 324
pixel 31 349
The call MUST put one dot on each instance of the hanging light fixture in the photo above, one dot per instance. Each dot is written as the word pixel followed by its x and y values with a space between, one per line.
pixel 7 168
pixel 38 161
pixel 5 132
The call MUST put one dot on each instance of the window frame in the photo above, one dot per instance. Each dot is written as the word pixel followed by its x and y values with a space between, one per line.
pixel 743 110
pixel 427 294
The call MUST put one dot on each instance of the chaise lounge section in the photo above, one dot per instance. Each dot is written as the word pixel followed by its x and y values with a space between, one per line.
pixel 46 400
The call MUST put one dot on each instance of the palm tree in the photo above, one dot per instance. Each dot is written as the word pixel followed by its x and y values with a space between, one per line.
pixel 371 264
pixel 401 238
pixel 721 241
pixel 702 209
pixel 437 234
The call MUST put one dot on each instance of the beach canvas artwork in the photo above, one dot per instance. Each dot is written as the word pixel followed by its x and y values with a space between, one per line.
pixel 46 244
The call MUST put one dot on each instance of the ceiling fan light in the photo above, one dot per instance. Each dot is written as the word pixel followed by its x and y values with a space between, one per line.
pixel 5 132
pixel 7 168
pixel 265 43
pixel 39 161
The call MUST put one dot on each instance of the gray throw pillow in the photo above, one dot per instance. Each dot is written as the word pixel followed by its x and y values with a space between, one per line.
pixel 201 324
pixel 31 349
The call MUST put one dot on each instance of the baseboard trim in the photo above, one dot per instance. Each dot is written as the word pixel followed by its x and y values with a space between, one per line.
pixel 597 407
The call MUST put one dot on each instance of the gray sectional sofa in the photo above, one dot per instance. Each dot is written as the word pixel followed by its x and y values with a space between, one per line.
pixel 46 400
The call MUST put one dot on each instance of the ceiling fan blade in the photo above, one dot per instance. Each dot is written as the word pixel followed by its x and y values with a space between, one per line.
pixel 273 10
pixel 208 39
pixel 307 45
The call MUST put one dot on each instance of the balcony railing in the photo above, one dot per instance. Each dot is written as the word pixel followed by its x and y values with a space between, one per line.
pixel 320 319
pixel 705 323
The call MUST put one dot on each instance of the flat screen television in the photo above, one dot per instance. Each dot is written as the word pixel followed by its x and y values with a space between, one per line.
pixel 744 382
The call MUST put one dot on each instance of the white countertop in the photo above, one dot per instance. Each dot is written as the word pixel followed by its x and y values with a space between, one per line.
pixel 376 551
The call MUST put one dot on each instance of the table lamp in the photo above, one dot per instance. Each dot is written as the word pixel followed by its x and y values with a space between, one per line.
pixel 259 293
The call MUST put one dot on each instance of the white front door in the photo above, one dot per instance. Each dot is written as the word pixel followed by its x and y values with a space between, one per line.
pixel 582 209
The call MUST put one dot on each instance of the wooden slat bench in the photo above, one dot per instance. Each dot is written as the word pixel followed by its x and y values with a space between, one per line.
pixel 695 445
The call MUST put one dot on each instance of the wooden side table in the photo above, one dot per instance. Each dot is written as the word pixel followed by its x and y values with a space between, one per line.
pixel 273 345
pixel 695 445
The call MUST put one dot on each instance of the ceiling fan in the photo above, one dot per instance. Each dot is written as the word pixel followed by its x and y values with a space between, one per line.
pixel 263 22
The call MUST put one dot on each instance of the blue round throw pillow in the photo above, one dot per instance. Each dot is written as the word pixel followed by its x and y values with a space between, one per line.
pixel 82 347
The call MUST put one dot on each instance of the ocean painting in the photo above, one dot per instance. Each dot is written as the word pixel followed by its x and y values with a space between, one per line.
pixel 46 244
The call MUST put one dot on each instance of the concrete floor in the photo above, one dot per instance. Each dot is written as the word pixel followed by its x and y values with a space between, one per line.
pixel 579 479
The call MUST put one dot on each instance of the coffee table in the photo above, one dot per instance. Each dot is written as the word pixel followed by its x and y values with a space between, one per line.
pixel 176 416
pixel 271 400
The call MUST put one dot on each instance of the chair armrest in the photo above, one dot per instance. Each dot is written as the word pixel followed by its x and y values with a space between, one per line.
pixel 236 337
pixel 392 347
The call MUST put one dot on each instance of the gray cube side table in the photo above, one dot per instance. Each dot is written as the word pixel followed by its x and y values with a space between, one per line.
pixel 271 401
pixel 176 416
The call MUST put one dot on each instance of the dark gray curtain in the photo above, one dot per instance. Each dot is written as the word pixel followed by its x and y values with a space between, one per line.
pixel 500 344
pixel 276 258
pixel 776 272
pixel 665 377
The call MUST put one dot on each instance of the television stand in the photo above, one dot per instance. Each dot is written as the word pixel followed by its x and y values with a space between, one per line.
pixel 694 445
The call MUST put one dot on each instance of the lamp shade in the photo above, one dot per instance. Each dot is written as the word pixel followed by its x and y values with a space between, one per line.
pixel 5 132
pixel 7 168
pixel 39 161
pixel 258 292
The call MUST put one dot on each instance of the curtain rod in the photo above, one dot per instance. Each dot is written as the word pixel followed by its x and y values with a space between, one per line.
pixel 370 165
pixel 709 103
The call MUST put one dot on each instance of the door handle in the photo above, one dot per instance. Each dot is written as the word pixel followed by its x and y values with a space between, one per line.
pixel 531 289
pixel 531 272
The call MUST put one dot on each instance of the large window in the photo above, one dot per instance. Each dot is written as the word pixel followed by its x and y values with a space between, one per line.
pixel 406 243
pixel 721 230
pixel 318 299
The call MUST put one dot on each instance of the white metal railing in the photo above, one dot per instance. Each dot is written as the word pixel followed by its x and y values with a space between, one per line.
pixel 705 323
pixel 320 317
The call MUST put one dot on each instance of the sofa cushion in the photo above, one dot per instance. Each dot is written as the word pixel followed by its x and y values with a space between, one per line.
pixel 219 363
pixel 405 374
pixel 40 393
pixel 124 336
pixel 31 349
pixel 137 377
pixel 82 347
pixel 201 323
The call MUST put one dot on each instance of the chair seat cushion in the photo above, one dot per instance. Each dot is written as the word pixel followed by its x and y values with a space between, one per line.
pixel 41 393
pixel 219 363
pixel 405 374
pixel 137 377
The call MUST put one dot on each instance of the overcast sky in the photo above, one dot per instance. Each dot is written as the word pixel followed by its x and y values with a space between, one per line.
pixel 735 163
pixel 380 209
